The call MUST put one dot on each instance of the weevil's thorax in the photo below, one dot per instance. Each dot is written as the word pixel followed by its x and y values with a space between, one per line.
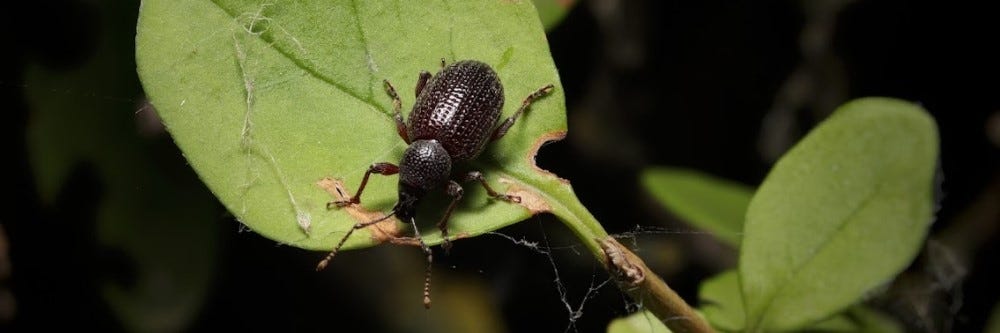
pixel 459 108
pixel 425 166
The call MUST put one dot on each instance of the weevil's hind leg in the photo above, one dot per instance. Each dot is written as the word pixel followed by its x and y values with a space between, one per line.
pixel 478 176
pixel 322 264
pixel 382 168
pixel 455 191
pixel 397 113
pixel 430 260
pixel 502 129
pixel 421 82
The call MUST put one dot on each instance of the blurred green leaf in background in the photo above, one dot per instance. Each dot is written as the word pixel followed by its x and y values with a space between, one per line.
pixel 152 212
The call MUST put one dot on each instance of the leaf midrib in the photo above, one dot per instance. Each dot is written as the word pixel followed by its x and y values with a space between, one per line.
pixel 868 199
pixel 313 72
pixel 533 183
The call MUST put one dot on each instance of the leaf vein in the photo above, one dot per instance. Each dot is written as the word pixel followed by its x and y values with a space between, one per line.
pixel 305 67
pixel 869 198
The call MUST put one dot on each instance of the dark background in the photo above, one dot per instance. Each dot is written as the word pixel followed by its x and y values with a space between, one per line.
pixel 648 83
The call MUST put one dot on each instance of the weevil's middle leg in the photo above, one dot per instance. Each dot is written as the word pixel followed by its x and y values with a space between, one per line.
pixel 397 113
pixel 455 191
pixel 478 176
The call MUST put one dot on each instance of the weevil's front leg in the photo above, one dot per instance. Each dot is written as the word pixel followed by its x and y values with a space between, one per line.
pixel 382 168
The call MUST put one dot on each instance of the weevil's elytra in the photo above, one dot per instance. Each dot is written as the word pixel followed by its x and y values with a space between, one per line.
pixel 458 107
pixel 455 115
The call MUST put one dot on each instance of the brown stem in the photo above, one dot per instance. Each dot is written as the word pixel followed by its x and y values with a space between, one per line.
pixel 646 287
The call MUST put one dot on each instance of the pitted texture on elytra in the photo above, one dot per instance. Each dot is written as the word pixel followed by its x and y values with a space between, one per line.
pixel 425 165
pixel 458 107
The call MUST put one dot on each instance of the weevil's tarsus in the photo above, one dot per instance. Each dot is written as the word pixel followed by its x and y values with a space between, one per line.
pixel 478 176
pixel 430 260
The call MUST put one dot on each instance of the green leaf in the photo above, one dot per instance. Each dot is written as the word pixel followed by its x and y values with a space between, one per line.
pixel 552 12
pixel 707 202
pixel 871 321
pixel 639 322
pixel 857 319
pixel 160 219
pixel 722 305
pixel 840 214
pixel 266 99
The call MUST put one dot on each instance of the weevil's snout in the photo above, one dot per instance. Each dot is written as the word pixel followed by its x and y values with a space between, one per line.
pixel 409 197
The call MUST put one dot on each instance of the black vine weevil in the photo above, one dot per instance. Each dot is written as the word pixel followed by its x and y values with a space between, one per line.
pixel 453 118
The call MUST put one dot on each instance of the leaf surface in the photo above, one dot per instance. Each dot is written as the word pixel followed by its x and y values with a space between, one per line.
pixel 716 205
pixel 267 99
pixel 840 214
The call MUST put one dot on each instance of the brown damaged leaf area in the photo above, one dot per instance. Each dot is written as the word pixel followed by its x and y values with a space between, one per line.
pixel 413 241
pixel 529 199
pixel 541 141
pixel 380 232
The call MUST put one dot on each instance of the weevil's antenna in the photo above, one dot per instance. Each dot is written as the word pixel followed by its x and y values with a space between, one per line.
pixel 322 263
pixel 430 259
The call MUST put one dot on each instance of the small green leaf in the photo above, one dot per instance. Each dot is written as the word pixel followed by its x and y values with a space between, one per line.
pixel 639 322
pixel 265 99
pixel 871 321
pixel 857 319
pixel 716 205
pixel 840 214
pixel 722 303
pixel 161 221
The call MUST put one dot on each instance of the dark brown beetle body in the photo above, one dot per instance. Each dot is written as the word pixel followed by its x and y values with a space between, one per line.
pixel 451 122
pixel 459 108
pixel 454 117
